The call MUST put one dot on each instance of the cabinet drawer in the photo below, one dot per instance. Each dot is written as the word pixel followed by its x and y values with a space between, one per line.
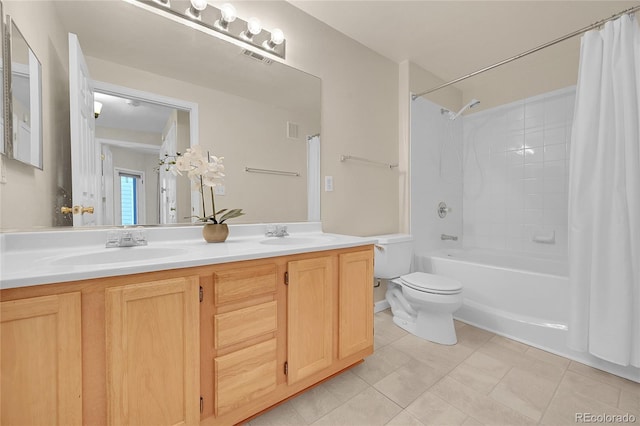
pixel 236 284
pixel 244 376
pixel 236 326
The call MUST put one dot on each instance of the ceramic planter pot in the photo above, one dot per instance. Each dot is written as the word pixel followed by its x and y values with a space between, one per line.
pixel 215 232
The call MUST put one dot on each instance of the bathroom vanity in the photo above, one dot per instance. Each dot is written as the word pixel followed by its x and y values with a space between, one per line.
pixel 212 334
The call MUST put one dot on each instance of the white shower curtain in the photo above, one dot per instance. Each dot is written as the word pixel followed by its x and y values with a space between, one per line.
pixel 604 196
pixel 313 178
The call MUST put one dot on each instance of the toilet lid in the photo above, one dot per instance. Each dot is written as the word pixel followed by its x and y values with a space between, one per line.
pixel 431 283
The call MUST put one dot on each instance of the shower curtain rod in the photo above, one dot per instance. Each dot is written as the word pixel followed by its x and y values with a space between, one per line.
pixel 530 51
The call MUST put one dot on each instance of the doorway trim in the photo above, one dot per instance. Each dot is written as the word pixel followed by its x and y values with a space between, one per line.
pixel 141 95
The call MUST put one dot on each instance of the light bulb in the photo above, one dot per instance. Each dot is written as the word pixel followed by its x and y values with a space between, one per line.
pixel 97 108
pixel 228 13
pixel 254 26
pixel 196 7
pixel 199 5
pixel 277 36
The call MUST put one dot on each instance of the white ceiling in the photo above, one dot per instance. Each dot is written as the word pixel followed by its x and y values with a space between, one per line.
pixel 453 38
pixel 122 113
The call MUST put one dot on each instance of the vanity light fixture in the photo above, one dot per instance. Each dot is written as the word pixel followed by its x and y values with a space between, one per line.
pixel 195 8
pixel 221 21
pixel 97 108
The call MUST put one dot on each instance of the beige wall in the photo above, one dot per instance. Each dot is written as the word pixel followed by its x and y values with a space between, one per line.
pixel 359 117
pixel 551 69
pixel 421 80
pixel 30 196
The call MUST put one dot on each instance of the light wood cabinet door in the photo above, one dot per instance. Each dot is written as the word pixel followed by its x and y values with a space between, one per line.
pixel 355 304
pixel 152 333
pixel 310 304
pixel 41 361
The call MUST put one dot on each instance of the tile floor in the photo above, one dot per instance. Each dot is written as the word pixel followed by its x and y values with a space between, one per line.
pixel 484 379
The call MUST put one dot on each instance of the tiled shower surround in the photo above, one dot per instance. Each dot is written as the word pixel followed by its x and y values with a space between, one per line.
pixel 516 174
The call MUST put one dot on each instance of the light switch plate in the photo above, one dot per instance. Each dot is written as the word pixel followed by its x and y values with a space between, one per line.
pixel 328 183
pixel 219 190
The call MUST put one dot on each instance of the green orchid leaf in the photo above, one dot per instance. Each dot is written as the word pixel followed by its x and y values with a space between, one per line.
pixel 231 214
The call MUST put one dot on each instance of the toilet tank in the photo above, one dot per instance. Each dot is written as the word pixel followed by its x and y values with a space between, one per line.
pixel 393 255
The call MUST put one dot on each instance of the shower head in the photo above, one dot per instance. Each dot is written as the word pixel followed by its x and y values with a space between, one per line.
pixel 471 104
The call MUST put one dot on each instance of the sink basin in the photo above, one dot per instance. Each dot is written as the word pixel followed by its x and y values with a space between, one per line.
pixel 293 241
pixel 120 255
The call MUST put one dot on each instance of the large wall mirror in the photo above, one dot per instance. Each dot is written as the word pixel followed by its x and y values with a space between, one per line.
pixel 163 86
pixel 24 118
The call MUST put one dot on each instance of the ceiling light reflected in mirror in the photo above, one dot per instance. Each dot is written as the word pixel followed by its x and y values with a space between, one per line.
pixel 97 108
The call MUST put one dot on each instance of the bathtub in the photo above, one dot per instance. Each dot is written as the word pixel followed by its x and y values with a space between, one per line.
pixel 523 298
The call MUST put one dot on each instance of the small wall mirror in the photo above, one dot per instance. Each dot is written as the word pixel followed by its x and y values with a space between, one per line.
pixel 25 115
pixel 2 82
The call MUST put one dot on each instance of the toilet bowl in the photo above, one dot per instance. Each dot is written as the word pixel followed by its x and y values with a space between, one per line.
pixel 423 304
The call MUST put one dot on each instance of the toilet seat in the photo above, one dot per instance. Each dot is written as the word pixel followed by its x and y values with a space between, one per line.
pixel 431 283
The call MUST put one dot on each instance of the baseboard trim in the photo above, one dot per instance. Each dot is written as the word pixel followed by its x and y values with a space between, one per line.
pixel 380 306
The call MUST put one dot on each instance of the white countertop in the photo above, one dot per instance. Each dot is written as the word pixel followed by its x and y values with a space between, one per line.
pixel 34 258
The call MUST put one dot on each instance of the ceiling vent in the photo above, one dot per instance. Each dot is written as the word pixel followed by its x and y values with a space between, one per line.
pixel 293 130
pixel 257 56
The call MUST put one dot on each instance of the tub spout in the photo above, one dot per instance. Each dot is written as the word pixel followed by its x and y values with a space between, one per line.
pixel 448 237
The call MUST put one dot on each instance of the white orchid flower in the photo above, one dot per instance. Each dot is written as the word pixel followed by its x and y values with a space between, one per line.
pixel 204 170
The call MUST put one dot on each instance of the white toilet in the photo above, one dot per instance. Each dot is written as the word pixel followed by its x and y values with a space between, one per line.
pixel 423 304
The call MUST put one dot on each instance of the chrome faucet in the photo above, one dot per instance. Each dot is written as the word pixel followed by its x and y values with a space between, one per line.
pixel 126 238
pixel 448 237
pixel 276 231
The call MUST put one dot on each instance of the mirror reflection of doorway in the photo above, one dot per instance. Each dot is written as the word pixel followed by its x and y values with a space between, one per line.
pixel 116 126
pixel 135 135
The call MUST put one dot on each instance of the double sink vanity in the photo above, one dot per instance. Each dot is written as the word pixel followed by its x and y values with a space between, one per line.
pixel 177 331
